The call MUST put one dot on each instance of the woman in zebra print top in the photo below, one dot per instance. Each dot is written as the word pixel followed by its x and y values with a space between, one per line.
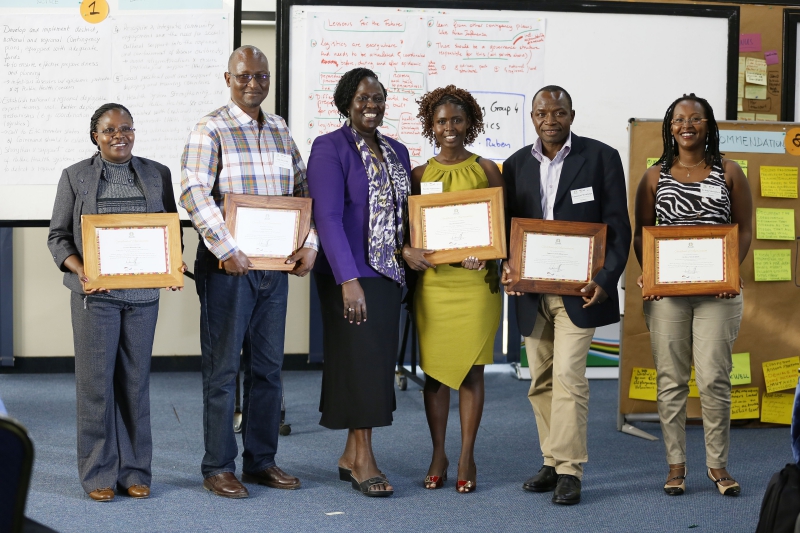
pixel 693 184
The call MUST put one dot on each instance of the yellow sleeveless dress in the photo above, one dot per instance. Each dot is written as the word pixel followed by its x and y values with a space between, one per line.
pixel 457 311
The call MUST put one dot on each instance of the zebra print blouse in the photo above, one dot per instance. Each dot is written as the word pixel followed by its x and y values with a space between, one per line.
pixel 687 204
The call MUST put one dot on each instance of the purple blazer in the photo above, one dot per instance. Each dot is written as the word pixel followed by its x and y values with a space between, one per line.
pixel 337 182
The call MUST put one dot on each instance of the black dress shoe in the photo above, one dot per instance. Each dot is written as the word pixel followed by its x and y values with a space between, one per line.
pixel 568 490
pixel 544 481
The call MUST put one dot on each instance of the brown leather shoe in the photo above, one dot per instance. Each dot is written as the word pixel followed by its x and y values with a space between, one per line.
pixel 225 485
pixel 139 491
pixel 272 477
pixel 102 495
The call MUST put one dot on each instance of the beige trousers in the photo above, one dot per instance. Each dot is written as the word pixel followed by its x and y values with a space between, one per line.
pixel 703 328
pixel 559 390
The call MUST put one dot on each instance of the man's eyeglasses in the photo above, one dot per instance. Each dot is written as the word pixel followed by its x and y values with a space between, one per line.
pixel 244 79
pixel 694 121
pixel 124 130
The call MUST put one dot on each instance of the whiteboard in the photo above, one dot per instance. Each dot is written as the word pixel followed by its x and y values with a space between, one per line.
pixel 163 63
pixel 613 64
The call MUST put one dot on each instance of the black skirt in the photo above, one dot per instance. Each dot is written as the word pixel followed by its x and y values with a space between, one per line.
pixel 358 371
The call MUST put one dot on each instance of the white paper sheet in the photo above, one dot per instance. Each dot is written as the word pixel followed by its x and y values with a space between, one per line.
pixel 457 226
pixel 266 232
pixel 690 260
pixel 133 251
pixel 557 257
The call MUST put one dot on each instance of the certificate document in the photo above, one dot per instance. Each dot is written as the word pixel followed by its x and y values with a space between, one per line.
pixel 133 250
pixel 557 257
pixel 457 226
pixel 266 232
pixel 690 260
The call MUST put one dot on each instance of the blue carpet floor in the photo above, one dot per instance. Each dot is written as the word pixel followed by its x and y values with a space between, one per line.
pixel 621 487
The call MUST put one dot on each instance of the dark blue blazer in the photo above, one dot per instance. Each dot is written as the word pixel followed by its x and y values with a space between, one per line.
pixel 592 164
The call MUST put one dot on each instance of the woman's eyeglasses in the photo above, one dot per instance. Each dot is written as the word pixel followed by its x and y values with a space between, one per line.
pixel 694 121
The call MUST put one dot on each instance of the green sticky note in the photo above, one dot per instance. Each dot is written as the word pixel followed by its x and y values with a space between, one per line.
pixel 652 161
pixel 740 374
pixel 775 224
pixel 772 265
pixel 743 164
pixel 779 182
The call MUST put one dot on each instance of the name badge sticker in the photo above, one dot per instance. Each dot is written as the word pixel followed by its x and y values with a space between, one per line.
pixel 431 187
pixel 582 195
pixel 711 191
pixel 282 160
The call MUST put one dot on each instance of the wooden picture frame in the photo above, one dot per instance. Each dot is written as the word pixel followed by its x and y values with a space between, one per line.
pixel 420 214
pixel 522 227
pixel 302 206
pixel 93 233
pixel 653 236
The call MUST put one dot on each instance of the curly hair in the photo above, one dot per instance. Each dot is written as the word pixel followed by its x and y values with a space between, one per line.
pixel 712 153
pixel 102 110
pixel 450 95
pixel 346 88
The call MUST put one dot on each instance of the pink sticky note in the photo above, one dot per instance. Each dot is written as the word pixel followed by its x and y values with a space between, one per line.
pixel 771 56
pixel 749 42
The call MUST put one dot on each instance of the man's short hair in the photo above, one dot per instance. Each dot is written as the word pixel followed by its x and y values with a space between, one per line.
pixel 554 89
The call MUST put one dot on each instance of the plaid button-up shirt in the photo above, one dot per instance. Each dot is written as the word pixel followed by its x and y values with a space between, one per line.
pixel 227 153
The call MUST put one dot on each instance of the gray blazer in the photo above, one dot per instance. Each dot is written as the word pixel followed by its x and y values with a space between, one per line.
pixel 77 195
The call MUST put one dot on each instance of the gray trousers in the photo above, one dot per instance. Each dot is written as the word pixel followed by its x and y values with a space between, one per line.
pixel 113 346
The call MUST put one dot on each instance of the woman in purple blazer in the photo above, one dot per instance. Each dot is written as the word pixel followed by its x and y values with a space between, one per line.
pixel 359 181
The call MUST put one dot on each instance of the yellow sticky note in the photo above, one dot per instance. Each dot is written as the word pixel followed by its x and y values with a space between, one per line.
pixel 778 182
pixel 740 373
pixel 739 105
pixel 746 116
pixel 772 265
pixel 754 64
pixel 777 408
pixel 775 224
pixel 743 164
pixel 693 391
pixel 652 161
pixel 744 403
pixel 755 92
pixel 755 77
pixel 643 384
pixel 781 374
pixel 740 80
pixel 766 117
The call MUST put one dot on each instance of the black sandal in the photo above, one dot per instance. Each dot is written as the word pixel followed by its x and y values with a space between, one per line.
pixel 364 486
pixel 345 474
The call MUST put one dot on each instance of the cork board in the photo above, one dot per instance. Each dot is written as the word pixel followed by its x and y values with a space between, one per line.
pixel 771 308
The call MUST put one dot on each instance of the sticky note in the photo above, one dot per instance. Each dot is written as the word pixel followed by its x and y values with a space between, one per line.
pixel 771 57
pixel 693 390
pixel 775 224
pixel 740 373
pixel 755 92
pixel 746 116
pixel 739 106
pixel 744 403
pixel 767 117
pixel 643 384
pixel 772 265
pixel 652 161
pixel 777 408
pixel 749 42
pixel 778 182
pixel 755 71
pixel 742 163
pixel 781 374
pixel 740 78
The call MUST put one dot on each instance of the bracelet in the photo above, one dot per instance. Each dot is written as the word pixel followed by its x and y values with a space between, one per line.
pixel 348 281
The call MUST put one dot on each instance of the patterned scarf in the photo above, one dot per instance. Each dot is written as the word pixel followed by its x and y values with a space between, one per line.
pixel 388 193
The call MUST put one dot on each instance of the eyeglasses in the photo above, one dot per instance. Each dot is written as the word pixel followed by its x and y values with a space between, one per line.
pixel 694 121
pixel 124 130
pixel 244 79
pixel 377 100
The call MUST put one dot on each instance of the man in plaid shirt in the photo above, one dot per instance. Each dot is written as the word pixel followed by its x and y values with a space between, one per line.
pixel 239 149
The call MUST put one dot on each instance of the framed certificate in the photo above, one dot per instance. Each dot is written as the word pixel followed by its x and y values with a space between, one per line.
pixel 459 224
pixel 698 260
pixel 268 229
pixel 555 256
pixel 132 251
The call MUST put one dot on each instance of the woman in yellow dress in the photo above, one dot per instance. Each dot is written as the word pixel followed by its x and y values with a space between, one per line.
pixel 456 307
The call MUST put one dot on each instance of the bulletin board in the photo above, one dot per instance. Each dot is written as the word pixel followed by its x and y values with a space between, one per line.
pixel 771 309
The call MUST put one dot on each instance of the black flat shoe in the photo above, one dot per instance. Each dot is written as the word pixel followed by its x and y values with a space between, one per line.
pixel 364 487
pixel 544 481
pixel 568 490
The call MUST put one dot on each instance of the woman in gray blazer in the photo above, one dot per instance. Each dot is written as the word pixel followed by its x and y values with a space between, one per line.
pixel 112 329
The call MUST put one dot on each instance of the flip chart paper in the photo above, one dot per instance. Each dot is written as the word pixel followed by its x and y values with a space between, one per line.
pixel 777 408
pixel 778 182
pixel 643 384
pixel 781 374
pixel 775 224
pixel 772 265
pixel 740 373
pixel 744 403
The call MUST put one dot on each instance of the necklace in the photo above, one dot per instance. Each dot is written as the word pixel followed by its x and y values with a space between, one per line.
pixel 689 167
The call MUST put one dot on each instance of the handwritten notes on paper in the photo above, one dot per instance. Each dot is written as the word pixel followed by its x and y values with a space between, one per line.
pixel 779 182
pixel 771 57
pixel 755 71
pixel 749 42
pixel 775 224
pixel 744 403
pixel 777 408
pixel 755 92
pixel 643 384
pixel 743 164
pixel 772 265
pixel 501 61
pixel 652 161
pixel 740 373
pixel 758 142
pixel 781 374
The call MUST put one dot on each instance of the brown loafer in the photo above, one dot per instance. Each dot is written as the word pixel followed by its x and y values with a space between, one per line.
pixel 102 495
pixel 272 477
pixel 225 485
pixel 139 491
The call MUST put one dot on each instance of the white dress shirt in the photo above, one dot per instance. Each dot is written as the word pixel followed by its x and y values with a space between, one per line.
pixel 550 174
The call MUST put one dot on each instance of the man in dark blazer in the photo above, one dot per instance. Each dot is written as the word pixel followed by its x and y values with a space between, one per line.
pixel 565 177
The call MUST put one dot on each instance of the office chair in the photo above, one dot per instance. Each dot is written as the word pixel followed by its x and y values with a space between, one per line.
pixel 16 464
